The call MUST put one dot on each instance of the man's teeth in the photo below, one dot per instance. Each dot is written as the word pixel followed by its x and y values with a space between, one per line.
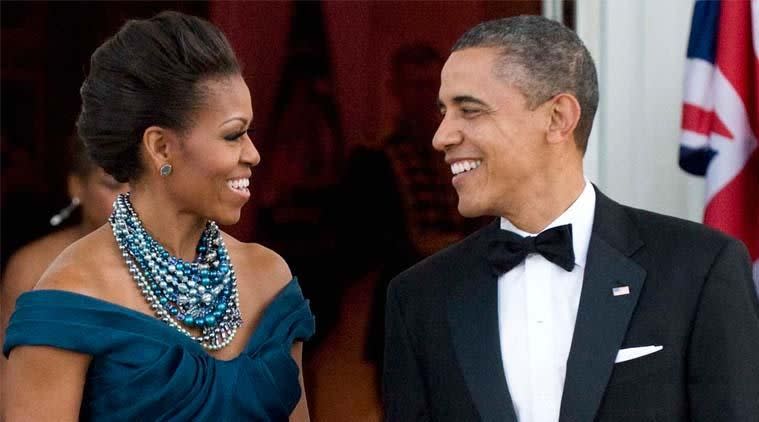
pixel 238 184
pixel 461 166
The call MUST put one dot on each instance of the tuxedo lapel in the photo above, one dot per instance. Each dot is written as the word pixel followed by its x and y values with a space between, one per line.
pixel 602 317
pixel 473 318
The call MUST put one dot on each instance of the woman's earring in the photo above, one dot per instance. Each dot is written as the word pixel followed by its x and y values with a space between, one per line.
pixel 165 169
pixel 64 213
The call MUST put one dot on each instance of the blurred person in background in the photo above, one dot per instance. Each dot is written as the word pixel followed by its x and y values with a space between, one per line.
pixel 403 189
pixel 92 192
pixel 395 207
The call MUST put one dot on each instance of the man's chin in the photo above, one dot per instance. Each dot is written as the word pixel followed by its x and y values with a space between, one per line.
pixel 469 210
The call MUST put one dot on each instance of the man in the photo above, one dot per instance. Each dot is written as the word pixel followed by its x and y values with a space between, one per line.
pixel 569 306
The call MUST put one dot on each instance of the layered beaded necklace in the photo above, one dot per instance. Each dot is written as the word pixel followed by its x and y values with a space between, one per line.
pixel 200 294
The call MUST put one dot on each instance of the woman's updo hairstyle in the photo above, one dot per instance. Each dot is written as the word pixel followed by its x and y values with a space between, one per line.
pixel 148 74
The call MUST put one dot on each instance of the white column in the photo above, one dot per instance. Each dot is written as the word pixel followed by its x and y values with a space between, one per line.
pixel 552 9
pixel 588 22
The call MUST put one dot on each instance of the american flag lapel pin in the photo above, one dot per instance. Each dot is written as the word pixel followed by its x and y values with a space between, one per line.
pixel 621 291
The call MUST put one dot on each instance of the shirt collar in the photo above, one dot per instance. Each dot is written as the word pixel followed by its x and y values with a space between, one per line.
pixel 580 215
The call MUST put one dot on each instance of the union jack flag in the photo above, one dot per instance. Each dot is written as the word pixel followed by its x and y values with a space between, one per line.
pixel 720 119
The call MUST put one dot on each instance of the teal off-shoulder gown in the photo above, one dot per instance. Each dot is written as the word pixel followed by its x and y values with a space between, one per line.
pixel 142 369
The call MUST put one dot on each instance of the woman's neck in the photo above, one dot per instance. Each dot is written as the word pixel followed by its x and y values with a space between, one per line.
pixel 178 232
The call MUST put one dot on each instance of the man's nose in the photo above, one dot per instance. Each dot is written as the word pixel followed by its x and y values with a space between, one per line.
pixel 447 135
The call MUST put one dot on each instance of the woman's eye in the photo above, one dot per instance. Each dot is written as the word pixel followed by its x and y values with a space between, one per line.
pixel 235 136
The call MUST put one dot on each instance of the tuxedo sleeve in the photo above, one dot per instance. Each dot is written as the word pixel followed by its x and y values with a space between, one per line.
pixel 403 391
pixel 723 355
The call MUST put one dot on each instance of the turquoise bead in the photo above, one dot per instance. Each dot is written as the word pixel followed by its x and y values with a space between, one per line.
pixel 189 321
pixel 210 320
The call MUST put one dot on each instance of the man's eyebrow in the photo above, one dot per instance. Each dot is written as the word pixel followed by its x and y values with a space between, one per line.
pixel 461 99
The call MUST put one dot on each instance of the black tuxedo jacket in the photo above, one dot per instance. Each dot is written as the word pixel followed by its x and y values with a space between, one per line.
pixel 690 291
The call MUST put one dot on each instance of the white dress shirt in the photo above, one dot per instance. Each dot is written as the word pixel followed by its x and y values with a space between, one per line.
pixel 537 308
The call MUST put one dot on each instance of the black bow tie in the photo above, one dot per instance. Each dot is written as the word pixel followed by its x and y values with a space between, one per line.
pixel 508 249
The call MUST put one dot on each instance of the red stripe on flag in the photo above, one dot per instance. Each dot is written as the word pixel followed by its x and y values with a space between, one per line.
pixel 735 55
pixel 735 209
pixel 699 120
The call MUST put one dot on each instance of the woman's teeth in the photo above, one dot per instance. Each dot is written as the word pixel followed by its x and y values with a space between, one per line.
pixel 238 184
pixel 463 166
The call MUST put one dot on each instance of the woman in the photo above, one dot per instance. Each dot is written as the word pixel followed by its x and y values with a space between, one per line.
pixel 92 191
pixel 159 315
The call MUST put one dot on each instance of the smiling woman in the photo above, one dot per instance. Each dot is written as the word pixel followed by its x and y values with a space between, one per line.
pixel 159 314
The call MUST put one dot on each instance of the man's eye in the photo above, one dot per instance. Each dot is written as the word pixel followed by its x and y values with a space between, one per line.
pixel 469 111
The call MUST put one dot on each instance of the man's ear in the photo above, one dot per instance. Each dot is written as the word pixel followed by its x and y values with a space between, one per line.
pixel 159 145
pixel 564 115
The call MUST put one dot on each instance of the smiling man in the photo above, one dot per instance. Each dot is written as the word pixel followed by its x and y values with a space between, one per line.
pixel 568 306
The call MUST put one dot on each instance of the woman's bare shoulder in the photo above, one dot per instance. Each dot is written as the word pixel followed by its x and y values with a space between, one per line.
pixel 27 265
pixel 256 262
pixel 84 266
